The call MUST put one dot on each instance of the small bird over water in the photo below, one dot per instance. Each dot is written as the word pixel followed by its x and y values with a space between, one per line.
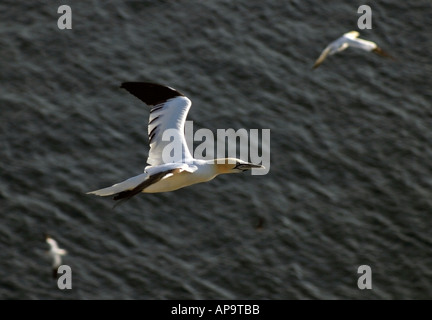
pixel 349 39
pixel 55 253
pixel 168 111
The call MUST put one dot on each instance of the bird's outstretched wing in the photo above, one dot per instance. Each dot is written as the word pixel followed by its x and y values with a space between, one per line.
pixel 169 109
pixel 321 58
pixel 338 45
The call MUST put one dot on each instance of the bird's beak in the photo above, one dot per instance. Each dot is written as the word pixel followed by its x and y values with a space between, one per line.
pixel 248 166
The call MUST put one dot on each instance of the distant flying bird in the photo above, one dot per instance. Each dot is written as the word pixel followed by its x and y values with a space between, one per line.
pixel 349 39
pixel 55 253
pixel 169 109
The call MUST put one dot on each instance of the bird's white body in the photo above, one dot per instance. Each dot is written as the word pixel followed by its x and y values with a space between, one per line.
pixel 184 174
pixel 167 170
pixel 199 171
pixel 349 39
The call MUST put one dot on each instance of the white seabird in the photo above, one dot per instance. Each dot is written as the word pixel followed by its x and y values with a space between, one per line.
pixel 55 253
pixel 349 39
pixel 169 109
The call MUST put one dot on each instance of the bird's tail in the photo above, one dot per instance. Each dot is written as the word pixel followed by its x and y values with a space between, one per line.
pixel 126 185
pixel 125 190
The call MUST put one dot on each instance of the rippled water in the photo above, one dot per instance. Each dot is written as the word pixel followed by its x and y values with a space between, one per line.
pixel 350 179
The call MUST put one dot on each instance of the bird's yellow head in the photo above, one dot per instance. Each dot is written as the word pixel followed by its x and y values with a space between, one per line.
pixel 352 34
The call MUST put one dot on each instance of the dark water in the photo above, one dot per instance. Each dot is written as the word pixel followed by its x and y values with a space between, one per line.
pixel 351 157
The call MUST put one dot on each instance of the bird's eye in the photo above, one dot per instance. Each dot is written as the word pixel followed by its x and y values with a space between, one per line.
pixel 239 166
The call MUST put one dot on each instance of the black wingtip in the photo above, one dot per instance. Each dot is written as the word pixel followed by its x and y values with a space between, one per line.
pixel 383 53
pixel 151 93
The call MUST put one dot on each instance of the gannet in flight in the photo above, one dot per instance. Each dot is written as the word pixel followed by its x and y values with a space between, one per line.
pixel 55 253
pixel 168 111
pixel 349 39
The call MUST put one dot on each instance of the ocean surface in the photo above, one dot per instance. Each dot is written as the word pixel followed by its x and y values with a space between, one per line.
pixel 350 180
